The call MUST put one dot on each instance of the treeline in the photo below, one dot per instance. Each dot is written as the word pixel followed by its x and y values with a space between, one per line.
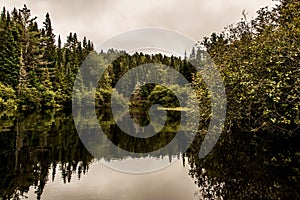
pixel 35 70
pixel 103 70
pixel 38 73
pixel 259 60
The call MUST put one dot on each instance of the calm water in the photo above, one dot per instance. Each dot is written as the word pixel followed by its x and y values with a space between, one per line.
pixel 42 157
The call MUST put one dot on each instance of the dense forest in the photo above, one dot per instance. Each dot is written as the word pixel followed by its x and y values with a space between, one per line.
pixel 36 71
pixel 39 73
pixel 258 60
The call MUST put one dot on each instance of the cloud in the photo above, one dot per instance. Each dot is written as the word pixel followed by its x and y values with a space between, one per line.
pixel 101 19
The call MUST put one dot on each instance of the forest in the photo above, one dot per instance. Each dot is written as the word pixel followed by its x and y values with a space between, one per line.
pixel 36 71
pixel 258 60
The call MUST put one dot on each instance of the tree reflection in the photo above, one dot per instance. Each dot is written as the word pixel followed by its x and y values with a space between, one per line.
pixel 247 166
pixel 33 145
pixel 36 147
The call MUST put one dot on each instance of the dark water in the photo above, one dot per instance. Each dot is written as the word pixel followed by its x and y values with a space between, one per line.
pixel 42 157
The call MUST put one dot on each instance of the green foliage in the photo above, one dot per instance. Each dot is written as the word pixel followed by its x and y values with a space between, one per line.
pixel 259 62
pixel 7 97
pixel 103 97
pixel 9 54
pixel 41 73
pixel 164 96
pixel 31 98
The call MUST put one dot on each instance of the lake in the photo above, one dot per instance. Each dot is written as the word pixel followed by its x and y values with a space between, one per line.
pixel 43 157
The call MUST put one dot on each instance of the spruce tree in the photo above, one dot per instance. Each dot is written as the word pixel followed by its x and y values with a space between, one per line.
pixel 9 64
pixel 49 40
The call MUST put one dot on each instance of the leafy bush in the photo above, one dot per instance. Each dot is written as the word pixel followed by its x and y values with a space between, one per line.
pixel 259 62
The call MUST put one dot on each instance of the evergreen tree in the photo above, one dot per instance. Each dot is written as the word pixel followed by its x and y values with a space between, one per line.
pixel 41 72
pixel 49 40
pixel 9 54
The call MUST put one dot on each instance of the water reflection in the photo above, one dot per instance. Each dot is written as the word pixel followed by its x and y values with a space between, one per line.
pixel 37 148
pixel 43 149
pixel 248 166
pixel 31 145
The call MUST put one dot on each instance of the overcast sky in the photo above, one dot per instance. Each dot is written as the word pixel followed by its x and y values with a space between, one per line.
pixel 101 19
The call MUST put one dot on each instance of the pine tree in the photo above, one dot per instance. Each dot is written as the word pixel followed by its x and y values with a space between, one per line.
pixel 31 51
pixel 9 63
pixel 49 40
pixel 193 53
pixel 59 42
